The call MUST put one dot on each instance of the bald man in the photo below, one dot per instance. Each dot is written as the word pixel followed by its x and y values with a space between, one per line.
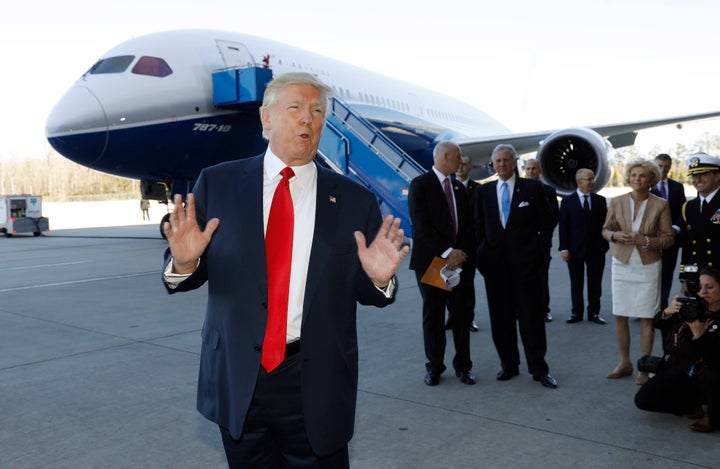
pixel 582 246
pixel 442 227
pixel 533 170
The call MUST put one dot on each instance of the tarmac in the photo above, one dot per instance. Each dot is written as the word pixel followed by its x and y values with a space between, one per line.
pixel 98 369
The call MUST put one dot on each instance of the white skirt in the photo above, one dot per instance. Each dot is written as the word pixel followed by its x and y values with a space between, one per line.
pixel 636 287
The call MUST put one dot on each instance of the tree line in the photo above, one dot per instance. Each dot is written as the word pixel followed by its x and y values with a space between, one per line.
pixel 57 178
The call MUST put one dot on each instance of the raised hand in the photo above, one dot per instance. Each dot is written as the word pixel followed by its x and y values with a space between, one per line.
pixel 187 242
pixel 382 258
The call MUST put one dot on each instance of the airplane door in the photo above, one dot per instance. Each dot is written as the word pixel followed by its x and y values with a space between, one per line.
pixel 235 54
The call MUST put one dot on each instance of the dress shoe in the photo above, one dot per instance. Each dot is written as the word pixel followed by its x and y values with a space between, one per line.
pixel 546 380
pixel 621 372
pixel 504 375
pixel 698 413
pixel 573 319
pixel 432 379
pixel 597 320
pixel 548 317
pixel 466 377
pixel 474 327
pixel 703 426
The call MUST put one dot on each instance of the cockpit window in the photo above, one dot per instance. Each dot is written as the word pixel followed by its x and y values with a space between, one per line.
pixel 152 66
pixel 111 65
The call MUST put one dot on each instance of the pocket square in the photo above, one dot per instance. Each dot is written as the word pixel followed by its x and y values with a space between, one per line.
pixel 523 204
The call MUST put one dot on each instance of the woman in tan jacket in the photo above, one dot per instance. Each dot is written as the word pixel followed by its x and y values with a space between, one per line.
pixel 639 226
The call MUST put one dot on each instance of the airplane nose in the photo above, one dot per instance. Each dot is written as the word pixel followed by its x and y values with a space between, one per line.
pixel 77 126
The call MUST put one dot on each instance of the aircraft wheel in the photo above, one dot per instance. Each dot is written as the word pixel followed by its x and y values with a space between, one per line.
pixel 36 233
pixel 165 218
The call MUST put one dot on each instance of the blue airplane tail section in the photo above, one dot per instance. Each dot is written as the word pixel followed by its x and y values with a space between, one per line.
pixel 353 146
pixel 350 144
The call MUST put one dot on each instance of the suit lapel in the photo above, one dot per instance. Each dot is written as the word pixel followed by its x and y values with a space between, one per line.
pixel 517 198
pixel 492 206
pixel 327 206
pixel 250 180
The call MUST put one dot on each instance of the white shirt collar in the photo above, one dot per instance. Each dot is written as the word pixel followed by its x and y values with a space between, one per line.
pixel 441 177
pixel 581 194
pixel 273 165
pixel 510 182
pixel 710 196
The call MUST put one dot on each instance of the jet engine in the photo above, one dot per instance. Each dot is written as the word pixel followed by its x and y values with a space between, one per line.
pixel 563 152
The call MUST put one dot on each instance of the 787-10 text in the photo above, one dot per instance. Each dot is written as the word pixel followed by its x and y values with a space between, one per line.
pixel 200 127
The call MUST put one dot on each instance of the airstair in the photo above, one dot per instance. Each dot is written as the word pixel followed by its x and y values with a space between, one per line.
pixel 353 146
pixel 349 145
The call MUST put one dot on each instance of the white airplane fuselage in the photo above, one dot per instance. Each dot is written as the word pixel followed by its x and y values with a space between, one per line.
pixel 164 128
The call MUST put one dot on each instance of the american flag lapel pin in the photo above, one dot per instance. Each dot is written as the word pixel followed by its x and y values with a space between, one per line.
pixel 333 199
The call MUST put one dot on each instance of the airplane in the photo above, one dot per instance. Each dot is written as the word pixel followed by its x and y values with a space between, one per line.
pixel 152 108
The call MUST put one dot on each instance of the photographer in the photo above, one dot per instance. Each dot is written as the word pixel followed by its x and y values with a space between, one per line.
pixel 690 376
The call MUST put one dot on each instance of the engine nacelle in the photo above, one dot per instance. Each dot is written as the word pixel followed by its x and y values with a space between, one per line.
pixel 566 151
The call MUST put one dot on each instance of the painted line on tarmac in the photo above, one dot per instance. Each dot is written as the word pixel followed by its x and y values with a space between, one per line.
pixel 76 282
pixel 42 266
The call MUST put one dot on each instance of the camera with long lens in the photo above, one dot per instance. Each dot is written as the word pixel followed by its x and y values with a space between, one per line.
pixel 693 307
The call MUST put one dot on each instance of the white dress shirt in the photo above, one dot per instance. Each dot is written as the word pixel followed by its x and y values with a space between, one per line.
pixel 303 189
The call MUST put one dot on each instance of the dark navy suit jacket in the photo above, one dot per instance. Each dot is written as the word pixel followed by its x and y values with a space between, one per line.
pixel 578 234
pixel 433 230
pixel 676 200
pixel 522 242
pixel 234 268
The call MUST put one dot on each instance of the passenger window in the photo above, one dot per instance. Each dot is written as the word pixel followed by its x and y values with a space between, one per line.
pixel 152 66
pixel 111 65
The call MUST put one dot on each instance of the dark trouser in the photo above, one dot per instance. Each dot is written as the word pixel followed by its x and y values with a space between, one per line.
pixel 274 435
pixel 546 281
pixel 669 261
pixel 595 265
pixel 434 302
pixel 515 298
pixel 672 391
pixel 468 275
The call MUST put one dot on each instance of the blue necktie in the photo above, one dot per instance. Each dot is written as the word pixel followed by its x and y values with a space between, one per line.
pixel 661 189
pixel 505 201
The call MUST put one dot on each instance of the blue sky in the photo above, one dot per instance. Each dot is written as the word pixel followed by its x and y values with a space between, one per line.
pixel 532 65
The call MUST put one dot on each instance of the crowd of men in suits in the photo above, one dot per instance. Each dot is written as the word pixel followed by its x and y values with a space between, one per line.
pixel 510 245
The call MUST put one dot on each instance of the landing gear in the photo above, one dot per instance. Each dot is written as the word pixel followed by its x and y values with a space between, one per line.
pixel 165 218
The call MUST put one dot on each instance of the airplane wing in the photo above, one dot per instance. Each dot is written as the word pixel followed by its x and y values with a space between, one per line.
pixel 562 152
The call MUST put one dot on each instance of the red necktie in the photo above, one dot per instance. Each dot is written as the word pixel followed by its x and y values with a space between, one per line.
pixel 278 254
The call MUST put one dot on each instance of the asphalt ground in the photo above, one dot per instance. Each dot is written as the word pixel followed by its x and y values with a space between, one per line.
pixel 98 369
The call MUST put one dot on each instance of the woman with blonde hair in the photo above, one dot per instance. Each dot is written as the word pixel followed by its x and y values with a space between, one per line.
pixel 639 226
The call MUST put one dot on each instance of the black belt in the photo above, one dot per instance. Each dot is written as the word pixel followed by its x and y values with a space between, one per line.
pixel 292 348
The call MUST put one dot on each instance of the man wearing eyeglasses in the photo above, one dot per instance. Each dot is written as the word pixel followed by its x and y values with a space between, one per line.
pixel 582 246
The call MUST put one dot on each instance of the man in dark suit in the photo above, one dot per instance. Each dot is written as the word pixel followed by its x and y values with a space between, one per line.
pixel 701 223
pixel 674 193
pixel 512 217
pixel 442 227
pixel 582 246
pixel 462 175
pixel 533 170
pixel 281 243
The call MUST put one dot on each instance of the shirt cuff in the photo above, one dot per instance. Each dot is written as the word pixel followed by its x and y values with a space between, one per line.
pixel 171 279
pixel 446 253
pixel 389 290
